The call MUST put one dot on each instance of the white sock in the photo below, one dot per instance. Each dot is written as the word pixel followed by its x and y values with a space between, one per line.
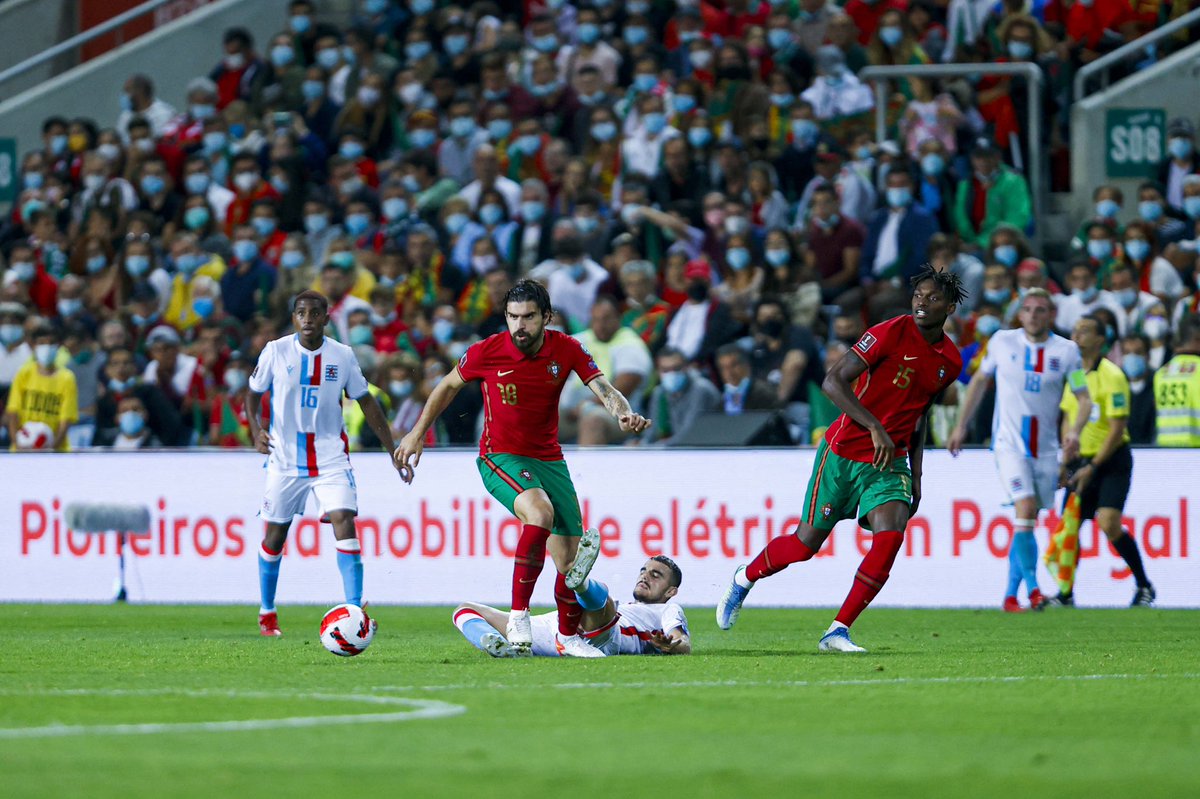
pixel 835 626
pixel 261 611
pixel 741 579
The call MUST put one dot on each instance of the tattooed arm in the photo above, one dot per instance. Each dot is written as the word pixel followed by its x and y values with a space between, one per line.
pixel 616 404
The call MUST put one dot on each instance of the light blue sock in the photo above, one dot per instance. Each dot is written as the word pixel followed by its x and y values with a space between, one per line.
pixel 592 595
pixel 1014 570
pixel 349 560
pixel 473 627
pixel 268 578
pixel 1027 554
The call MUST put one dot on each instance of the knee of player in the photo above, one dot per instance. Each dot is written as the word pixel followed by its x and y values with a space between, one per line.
pixel 540 513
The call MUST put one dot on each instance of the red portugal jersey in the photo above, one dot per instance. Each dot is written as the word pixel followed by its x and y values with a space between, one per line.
pixel 520 392
pixel 904 373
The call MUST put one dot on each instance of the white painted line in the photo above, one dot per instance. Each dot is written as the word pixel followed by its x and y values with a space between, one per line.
pixel 415 709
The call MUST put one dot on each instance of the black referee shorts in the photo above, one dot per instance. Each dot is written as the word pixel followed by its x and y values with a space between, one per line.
pixel 1109 486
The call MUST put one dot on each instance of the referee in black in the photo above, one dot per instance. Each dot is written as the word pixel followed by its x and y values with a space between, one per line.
pixel 1102 473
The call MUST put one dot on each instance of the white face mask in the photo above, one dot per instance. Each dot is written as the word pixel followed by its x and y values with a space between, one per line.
pixel 245 181
pixel 45 354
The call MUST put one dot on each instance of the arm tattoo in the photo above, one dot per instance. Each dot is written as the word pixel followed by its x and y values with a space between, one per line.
pixel 614 401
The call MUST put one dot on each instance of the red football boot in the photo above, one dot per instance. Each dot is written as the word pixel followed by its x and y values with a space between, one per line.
pixel 1036 600
pixel 268 624
pixel 1011 605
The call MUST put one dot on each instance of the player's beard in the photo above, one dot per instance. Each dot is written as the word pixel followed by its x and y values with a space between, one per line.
pixel 529 343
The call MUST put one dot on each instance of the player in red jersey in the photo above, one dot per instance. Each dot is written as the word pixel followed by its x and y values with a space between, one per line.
pixel 897 370
pixel 520 461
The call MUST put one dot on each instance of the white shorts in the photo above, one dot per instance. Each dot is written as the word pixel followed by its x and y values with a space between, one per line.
pixel 286 495
pixel 544 627
pixel 1024 477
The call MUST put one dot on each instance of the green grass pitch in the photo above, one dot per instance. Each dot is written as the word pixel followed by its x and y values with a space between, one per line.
pixel 1082 703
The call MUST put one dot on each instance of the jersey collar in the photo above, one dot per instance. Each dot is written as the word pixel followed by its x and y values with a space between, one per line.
pixel 513 351
pixel 305 350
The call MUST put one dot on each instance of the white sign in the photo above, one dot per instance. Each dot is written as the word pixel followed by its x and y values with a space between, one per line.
pixel 443 540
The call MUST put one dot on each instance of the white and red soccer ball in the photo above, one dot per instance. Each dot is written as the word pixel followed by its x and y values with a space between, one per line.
pixel 347 630
pixel 34 435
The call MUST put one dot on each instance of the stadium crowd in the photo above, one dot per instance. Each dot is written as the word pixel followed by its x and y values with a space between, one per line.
pixel 697 183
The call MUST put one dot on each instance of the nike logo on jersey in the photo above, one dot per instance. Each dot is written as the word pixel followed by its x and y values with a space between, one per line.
pixel 910 357
pixel 502 374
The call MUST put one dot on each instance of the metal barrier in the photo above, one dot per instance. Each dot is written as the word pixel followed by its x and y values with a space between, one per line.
pixel 1036 169
pixel 1125 52
pixel 80 39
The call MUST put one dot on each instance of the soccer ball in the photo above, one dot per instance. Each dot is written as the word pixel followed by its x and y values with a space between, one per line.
pixel 347 630
pixel 34 435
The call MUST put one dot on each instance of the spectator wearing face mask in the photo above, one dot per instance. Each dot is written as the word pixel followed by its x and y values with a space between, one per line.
pixel 992 196
pixel 1182 160
pixel 1084 296
pixel 701 324
pixel 1133 302
pixel 15 352
pixel 683 393
pixel 1155 273
pixel 574 282
pixel 783 355
pixel 837 96
pixel 1134 363
pixel 240 75
pixel 1168 223
pixel 43 393
pixel 1107 204
pixel 741 392
pixel 133 429
pixel 120 379
pixel 897 238
pixel 179 377
pixel 247 285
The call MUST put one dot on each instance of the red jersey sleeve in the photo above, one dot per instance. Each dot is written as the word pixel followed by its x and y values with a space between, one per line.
pixel 470 365
pixel 582 361
pixel 875 344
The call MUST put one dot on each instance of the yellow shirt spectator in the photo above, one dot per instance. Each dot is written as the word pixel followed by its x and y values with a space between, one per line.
pixel 1109 389
pixel 39 397
pixel 179 313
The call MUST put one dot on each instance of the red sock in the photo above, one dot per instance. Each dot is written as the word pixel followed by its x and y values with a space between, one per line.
pixel 569 611
pixel 871 575
pixel 527 565
pixel 779 554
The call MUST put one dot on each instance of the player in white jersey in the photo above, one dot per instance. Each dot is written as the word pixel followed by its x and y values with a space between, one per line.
pixel 308 452
pixel 1029 366
pixel 650 625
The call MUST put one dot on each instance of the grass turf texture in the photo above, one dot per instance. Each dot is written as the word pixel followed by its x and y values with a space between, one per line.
pixel 756 712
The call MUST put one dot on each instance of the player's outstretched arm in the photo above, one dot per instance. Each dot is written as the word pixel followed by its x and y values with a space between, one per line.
pixel 408 454
pixel 676 642
pixel 975 391
pixel 258 436
pixel 616 404
pixel 839 387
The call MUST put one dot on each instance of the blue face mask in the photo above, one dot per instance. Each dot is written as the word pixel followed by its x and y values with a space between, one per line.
pixel 1088 293
pixel 58 144
pixel 415 51
pixel 782 100
pixel 422 138
pixel 33 180
pixel 890 35
pixel 462 127
pixel 1127 297
pixel 986 326
pixel 1137 249
pixel 299 23
pixel 421 7
pixel 778 257
pixel 357 224
pixel 1019 51
pixel 644 81
pixel 804 130
pixel 245 250
pixel 499 129
pixel 1006 254
pixel 343 259
pixel 1150 210
pixel 546 44
pixel 933 164
pixel 203 307
pixel 455 44
pixel 1107 209
pixel 604 131
pixel 779 38
pixel 533 210
pixel 673 382
pixel 1191 206
pixel 636 35
pixel 351 149
pixel 443 330
pixel 656 122
pixel 361 335
pixel 282 55
pixel 699 137
pixel 1180 148
pixel 153 185
pixel 1134 365
pixel 69 307
pixel 291 259
pixel 131 423
pixel 528 144
pixel 11 334
pixel 683 103
pixel 395 208
pixel 137 265
pixel 586 224
pixel 455 223
pixel 375 6
pixel 315 223
pixel 491 214
pixel 1100 249
pixel 328 58
pixel 544 89
pixel 263 226
pixel 96 263
pixel 312 90
pixel 997 296
pixel 899 196
pixel 738 258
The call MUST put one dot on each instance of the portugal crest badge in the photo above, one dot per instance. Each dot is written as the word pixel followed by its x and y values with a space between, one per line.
pixel 553 369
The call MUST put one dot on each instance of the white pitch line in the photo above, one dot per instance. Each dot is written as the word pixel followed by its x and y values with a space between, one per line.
pixel 577 686
pixel 418 709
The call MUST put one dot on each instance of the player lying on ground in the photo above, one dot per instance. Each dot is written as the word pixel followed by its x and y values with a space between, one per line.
pixel 885 386
pixel 650 625
pixel 523 372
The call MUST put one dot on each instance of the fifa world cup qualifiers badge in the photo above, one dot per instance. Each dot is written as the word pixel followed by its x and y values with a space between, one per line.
pixel 866 342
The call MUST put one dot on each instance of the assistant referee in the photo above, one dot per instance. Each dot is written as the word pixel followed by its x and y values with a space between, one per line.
pixel 1102 474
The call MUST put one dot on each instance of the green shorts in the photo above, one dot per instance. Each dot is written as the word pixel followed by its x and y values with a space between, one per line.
pixel 840 489
pixel 506 476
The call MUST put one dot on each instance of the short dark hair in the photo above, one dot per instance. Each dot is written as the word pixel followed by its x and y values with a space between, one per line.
pixel 311 296
pixel 735 350
pixel 45 330
pixel 1189 328
pixel 239 35
pixel 946 281
pixel 1103 328
pixel 676 572
pixel 529 291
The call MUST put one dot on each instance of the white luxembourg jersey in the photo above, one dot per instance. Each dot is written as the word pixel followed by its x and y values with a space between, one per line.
pixel 636 623
pixel 1029 385
pixel 307 434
